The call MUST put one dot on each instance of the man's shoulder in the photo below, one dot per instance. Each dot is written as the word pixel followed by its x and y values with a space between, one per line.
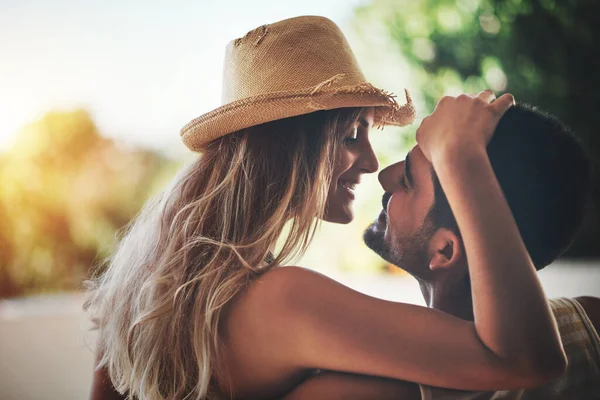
pixel 591 306
pixel 583 308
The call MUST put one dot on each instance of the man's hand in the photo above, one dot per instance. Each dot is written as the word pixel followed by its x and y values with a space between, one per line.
pixel 462 122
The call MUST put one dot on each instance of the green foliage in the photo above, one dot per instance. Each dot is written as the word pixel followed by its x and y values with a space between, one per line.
pixel 545 52
pixel 66 191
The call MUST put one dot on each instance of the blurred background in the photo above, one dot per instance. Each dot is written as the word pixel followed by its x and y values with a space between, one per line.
pixel 93 94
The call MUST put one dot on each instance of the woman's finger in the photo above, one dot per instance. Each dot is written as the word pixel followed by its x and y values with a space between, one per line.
pixel 503 103
pixel 487 95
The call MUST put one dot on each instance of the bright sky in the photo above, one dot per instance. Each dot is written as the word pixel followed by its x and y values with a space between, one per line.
pixel 143 68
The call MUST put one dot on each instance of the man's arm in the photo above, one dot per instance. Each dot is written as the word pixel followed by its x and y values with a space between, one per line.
pixel 343 386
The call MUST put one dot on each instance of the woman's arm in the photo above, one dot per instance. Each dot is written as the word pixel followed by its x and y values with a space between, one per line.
pixel 512 316
pixel 309 321
pixel 343 386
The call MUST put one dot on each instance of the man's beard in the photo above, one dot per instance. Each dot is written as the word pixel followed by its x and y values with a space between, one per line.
pixel 375 240
pixel 408 253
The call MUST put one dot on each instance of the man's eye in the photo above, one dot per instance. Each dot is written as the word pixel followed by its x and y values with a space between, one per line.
pixel 403 183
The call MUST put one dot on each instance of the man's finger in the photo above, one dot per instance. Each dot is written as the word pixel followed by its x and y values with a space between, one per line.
pixel 503 103
pixel 487 95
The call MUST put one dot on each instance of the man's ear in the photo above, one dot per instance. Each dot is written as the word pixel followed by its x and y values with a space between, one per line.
pixel 445 249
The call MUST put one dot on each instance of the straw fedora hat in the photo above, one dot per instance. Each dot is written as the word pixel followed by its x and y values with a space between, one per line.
pixel 288 68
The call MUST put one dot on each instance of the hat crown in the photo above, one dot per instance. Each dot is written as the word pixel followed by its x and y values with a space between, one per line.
pixel 288 55
pixel 293 67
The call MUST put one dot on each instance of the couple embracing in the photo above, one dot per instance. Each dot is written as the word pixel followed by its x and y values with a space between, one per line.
pixel 200 299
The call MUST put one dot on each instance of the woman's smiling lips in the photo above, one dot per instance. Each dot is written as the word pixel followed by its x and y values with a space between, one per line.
pixel 349 187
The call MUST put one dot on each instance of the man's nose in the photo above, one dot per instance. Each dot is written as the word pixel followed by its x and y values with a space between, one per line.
pixel 387 177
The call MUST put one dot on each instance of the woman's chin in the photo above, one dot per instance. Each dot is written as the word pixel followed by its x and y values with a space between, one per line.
pixel 340 217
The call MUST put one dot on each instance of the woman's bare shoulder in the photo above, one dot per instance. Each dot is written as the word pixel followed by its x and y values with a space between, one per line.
pixel 273 296
pixel 284 289
pixel 292 276
pixel 259 330
pixel 297 290
pixel 286 273
pixel 277 303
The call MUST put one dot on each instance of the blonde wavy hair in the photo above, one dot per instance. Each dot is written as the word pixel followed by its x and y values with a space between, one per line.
pixel 205 237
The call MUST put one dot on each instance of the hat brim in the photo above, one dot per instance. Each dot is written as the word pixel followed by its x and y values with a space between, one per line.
pixel 268 107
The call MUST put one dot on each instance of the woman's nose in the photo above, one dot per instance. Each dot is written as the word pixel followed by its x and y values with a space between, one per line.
pixel 369 162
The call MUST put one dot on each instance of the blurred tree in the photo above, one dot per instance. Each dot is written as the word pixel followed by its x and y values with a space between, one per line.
pixel 66 191
pixel 545 52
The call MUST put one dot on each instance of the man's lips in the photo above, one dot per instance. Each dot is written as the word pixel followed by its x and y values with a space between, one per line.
pixel 381 222
pixel 385 199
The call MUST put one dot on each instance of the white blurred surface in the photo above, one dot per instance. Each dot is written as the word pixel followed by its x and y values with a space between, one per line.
pixel 46 351
pixel 143 68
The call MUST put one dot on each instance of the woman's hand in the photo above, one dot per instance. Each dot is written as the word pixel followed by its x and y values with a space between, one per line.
pixel 462 122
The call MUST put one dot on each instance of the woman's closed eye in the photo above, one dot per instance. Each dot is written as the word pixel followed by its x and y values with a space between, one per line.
pixel 352 137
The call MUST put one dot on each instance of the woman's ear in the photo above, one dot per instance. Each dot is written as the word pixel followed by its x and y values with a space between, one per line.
pixel 445 249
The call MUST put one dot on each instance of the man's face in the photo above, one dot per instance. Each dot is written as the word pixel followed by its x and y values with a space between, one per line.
pixel 402 231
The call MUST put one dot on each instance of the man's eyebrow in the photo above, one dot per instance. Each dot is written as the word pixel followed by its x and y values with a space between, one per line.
pixel 407 170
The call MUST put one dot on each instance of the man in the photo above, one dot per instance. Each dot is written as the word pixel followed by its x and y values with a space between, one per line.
pixel 544 174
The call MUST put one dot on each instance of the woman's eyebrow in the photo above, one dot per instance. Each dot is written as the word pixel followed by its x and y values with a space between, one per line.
pixel 364 122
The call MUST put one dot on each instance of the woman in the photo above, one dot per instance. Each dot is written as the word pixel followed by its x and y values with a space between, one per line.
pixel 195 302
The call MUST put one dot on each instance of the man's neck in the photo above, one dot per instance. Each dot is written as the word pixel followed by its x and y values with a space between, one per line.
pixel 448 294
